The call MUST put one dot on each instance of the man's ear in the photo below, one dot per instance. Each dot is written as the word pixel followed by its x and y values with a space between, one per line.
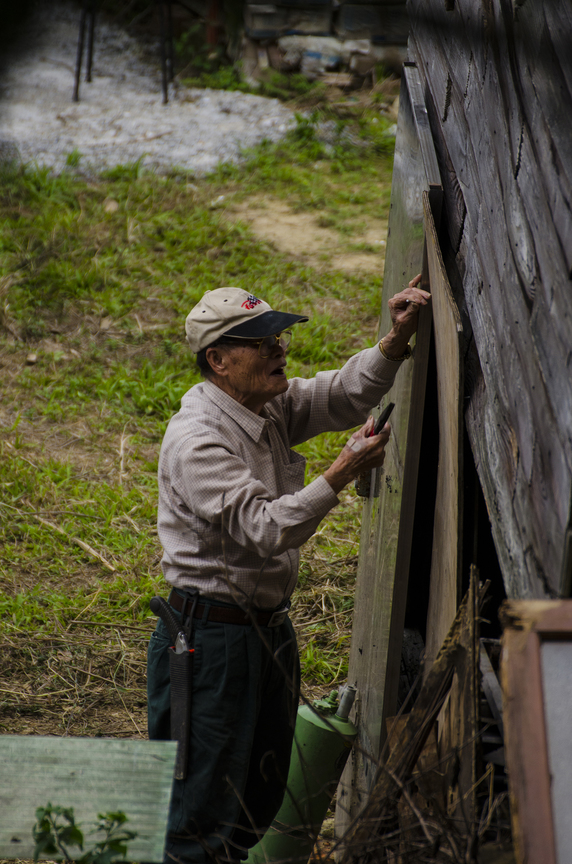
pixel 217 361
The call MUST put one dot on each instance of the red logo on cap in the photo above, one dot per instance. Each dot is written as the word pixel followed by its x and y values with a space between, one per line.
pixel 250 302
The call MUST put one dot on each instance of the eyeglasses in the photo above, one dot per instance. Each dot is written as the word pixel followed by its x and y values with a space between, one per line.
pixel 266 345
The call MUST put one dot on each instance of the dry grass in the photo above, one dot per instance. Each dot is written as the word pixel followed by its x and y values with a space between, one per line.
pixel 81 683
pixel 93 364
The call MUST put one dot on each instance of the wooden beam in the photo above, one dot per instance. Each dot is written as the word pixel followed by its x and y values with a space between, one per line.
pixel 444 594
pixel 387 522
pixel 526 745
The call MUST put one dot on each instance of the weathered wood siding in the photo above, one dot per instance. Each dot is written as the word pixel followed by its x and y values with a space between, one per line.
pixel 498 88
pixel 387 523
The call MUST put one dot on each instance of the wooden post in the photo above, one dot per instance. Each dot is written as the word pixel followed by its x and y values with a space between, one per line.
pixel 534 773
pixel 79 55
pixel 387 524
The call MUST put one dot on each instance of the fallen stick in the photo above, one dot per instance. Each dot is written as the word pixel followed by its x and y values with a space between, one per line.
pixel 85 546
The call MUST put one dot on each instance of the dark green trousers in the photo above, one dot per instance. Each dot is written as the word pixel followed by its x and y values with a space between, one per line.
pixel 244 704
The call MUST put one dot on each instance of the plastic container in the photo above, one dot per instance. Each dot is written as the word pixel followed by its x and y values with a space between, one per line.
pixel 322 743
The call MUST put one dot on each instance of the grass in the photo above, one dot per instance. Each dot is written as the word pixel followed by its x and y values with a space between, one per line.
pixel 96 277
pixel 275 85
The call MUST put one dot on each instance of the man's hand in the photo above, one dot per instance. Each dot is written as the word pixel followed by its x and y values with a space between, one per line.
pixel 360 454
pixel 404 310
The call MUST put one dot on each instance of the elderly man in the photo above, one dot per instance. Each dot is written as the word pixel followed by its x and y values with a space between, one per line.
pixel 233 513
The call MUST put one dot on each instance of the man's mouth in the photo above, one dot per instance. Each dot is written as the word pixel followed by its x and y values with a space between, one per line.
pixel 279 371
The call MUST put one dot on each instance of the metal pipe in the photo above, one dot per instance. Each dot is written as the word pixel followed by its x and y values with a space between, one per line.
pixel 90 35
pixel 346 701
pixel 170 45
pixel 79 56
pixel 164 77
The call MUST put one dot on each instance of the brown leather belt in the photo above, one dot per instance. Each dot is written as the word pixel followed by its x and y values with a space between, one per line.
pixel 230 614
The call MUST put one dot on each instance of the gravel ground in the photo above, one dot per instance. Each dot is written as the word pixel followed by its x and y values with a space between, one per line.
pixel 120 117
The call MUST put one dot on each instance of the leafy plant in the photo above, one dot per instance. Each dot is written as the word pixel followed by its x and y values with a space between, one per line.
pixel 56 831
pixel 325 665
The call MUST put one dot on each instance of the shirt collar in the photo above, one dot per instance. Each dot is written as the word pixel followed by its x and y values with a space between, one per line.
pixel 253 424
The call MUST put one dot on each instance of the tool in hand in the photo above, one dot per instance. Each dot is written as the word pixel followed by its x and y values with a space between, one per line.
pixel 383 418
pixel 363 481
pixel 180 669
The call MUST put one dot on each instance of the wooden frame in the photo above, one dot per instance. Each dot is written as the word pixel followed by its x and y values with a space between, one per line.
pixel 529 624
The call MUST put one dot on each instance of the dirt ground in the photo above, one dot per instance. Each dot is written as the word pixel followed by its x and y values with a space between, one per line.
pixel 300 234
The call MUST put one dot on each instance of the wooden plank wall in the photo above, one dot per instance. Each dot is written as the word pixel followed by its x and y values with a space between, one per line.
pixel 498 88
pixel 387 521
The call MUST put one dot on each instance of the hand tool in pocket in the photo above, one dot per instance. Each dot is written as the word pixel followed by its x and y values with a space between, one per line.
pixel 180 669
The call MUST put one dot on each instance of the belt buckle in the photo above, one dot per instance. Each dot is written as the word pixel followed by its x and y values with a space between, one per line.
pixel 277 618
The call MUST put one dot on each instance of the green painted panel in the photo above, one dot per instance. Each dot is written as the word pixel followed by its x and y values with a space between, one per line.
pixel 92 775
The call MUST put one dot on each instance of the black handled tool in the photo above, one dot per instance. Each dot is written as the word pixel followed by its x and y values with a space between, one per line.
pixel 383 418
pixel 163 611
pixel 363 481
pixel 180 669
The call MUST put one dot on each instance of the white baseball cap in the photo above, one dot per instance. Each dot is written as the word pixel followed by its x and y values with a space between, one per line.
pixel 234 312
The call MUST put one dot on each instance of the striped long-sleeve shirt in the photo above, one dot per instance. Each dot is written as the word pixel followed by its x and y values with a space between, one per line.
pixel 233 509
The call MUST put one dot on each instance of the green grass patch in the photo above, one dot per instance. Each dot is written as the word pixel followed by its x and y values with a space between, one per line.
pixel 96 278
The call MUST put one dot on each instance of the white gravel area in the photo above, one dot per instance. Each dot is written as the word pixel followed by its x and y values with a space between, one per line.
pixel 120 117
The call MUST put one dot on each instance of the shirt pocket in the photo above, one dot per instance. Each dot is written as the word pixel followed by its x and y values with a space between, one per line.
pixel 294 473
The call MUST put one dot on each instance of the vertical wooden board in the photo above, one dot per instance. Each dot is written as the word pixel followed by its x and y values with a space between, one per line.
pixel 385 542
pixel 493 444
pixel 559 22
pixel 92 775
pixel 513 220
pixel 444 591
pixel 539 35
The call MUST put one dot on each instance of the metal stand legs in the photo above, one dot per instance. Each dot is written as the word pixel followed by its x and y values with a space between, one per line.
pixel 87 19
pixel 167 51
pixel 166 48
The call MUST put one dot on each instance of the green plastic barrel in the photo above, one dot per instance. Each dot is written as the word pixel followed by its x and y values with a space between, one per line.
pixel 322 742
